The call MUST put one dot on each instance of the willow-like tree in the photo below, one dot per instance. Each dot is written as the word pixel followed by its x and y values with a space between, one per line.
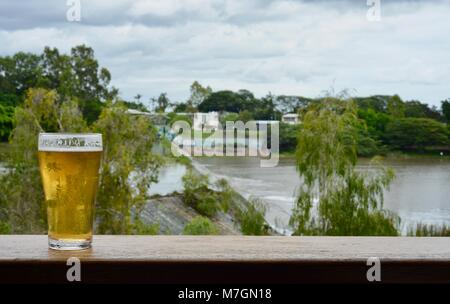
pixel 335 198
pixel 128 164
pixel 128 169
pixel 22 208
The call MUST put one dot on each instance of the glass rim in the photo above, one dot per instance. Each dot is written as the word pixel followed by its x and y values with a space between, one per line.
pixel 70 142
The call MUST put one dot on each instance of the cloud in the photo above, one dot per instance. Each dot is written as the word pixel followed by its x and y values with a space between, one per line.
pixel 285 47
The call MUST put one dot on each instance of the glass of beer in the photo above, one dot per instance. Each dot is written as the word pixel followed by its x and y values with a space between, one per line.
pixel 69 166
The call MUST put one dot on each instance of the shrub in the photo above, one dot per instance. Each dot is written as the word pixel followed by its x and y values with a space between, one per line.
pixel 200 225
pixel 252 219
pixel 429 230
pixel 198 195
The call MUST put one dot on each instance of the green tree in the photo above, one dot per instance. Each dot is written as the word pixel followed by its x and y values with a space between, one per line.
pixel 290 104
pixel 21 194
pixel 184 107
pixel 128 169
pixel 128 165
pixel 396 107
pixel 222 101
pixel 288 137
pixel 375 121
pixel 245 116
pixel 198 94
pixel 445 107
pixel 377 103
pixel 335 198
pixel 6 121
pixel 416 133
pixel 415 108
pixel 20 72
pixel 161 103
pixel 77 75
pixel 228 117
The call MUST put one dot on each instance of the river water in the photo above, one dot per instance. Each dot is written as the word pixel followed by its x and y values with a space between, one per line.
pixel 419 193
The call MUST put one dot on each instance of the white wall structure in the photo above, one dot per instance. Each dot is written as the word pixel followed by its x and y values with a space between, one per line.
pixel 290 118
pixel 207 121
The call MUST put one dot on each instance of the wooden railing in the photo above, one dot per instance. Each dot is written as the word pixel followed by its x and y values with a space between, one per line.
pixel 228 259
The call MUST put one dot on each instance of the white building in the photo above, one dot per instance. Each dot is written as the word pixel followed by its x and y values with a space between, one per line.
pixel 137 112
pixel 208 121
pixel 291 118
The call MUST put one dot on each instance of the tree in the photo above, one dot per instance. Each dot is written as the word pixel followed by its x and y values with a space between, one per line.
pixel 445 107
pixel 222 101
pixel 418 109
pixel 6 121
pixel 20 72
pixel 396 107
pixel 184 107
pixel 375 121
pixel 288 137
pixel 77 75
pixel 198 94
pixel 377 103
pixel 21 194
pixel 416 133
pixel 161 103
pixel 128 169
pixel 138 98
pixel 135 106
pixel 245 116
pixel 128 165
pixel 335 198
pixel 290 104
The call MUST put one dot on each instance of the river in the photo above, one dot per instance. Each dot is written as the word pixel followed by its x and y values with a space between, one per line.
pixel 419 193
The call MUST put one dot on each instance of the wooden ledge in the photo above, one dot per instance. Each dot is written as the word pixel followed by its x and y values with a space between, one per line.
pixel 228 259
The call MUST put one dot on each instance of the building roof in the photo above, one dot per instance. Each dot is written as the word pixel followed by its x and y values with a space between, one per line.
pixel 290 115
pixel 137 112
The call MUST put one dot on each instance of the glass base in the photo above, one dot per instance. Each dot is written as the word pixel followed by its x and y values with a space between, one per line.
pixel 69 244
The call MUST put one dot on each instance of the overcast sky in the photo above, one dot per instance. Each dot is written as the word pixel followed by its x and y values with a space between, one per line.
pixel 285 47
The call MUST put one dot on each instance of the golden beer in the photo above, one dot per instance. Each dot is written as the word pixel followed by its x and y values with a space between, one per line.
pixel 69 166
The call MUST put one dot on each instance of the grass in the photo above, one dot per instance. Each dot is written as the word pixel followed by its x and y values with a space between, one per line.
pixel 429 230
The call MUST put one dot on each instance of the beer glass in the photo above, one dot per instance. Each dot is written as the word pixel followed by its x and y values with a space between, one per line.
pixel 69 166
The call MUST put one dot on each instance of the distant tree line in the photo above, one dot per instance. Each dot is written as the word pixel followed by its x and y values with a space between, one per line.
pixel 385 122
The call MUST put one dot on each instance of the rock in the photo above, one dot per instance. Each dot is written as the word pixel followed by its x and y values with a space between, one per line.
pixel 172 215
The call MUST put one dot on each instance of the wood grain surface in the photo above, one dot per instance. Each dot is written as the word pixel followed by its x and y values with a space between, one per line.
pixel 228 259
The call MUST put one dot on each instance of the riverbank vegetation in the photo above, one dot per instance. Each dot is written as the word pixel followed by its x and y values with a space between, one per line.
pixel 334 198
pixel 128 165
pixel 209 199
pixel 56 92
pixel 429 230
pixel 200 225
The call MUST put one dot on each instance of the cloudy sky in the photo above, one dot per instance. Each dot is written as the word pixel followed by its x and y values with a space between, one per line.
pixel 285 47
